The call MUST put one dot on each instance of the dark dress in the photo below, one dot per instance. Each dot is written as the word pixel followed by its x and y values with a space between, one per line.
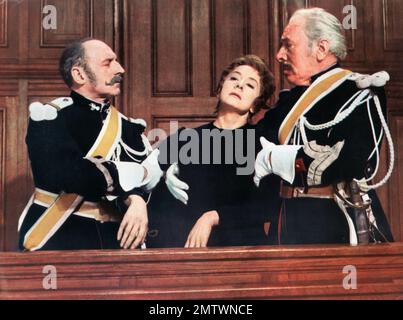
pixel 313 220
pixel 243 209
pixel 56 150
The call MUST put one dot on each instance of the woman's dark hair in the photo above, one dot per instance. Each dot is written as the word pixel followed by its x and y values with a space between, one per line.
pixel 73 55
pixel 266 79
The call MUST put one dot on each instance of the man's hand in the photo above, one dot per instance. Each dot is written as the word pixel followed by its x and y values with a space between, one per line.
pixel 200 233
pixel 133 229
pixel 176 186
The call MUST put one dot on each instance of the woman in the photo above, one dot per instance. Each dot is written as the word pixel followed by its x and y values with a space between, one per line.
pixel 216 161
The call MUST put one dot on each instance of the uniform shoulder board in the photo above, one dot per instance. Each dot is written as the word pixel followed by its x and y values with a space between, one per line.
pixel 139 121
pixel 48 111
pixel 364 81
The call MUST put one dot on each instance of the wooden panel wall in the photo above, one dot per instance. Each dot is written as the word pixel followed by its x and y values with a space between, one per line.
pixel 173 52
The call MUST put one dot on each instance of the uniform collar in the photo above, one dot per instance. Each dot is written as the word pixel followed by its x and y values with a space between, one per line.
pixel 316 76
pixel 313 78
pixel 299 90
pixel 94 106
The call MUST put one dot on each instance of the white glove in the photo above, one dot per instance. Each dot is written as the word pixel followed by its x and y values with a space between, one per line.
pixel 154 172
pixel 277 159
pixel 131 175
pixel 176 186
pixel 262 165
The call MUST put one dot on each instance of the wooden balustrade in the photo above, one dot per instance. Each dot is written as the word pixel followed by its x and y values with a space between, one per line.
pixel 298 272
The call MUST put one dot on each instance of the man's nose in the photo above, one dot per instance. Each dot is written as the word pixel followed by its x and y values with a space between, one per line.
pixel 281 56
pixel 119 68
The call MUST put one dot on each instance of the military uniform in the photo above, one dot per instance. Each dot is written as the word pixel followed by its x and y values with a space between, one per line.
pixel 57 148
pixel 309 213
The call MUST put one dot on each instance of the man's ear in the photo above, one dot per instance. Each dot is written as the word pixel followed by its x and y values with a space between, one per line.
pixel 323 49
pixel 78 75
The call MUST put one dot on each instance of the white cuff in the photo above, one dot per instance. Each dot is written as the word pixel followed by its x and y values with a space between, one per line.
pixel 154 172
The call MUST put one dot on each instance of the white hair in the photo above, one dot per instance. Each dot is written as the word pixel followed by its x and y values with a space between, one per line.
pixel 320 24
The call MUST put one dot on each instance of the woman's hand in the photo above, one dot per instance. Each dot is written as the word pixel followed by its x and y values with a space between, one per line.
pixel 200 233
pixel 133 229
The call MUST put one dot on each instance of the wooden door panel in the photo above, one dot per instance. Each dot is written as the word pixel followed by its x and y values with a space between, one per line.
pixel 9 29
pixel 171 48
pixel 13 169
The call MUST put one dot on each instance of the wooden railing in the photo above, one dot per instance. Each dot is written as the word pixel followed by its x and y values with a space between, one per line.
pixel 308 272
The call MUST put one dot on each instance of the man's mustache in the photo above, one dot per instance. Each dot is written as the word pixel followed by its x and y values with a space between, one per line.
pixel 287 66
pixel 116 79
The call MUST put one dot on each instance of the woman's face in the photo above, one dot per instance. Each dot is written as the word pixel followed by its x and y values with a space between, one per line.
pixel 240 89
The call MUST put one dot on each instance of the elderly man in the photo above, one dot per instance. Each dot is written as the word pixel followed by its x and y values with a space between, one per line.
pixel 83 152
pixel 323 139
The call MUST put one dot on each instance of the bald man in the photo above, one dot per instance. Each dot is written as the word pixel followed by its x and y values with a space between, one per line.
pixel 92 166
